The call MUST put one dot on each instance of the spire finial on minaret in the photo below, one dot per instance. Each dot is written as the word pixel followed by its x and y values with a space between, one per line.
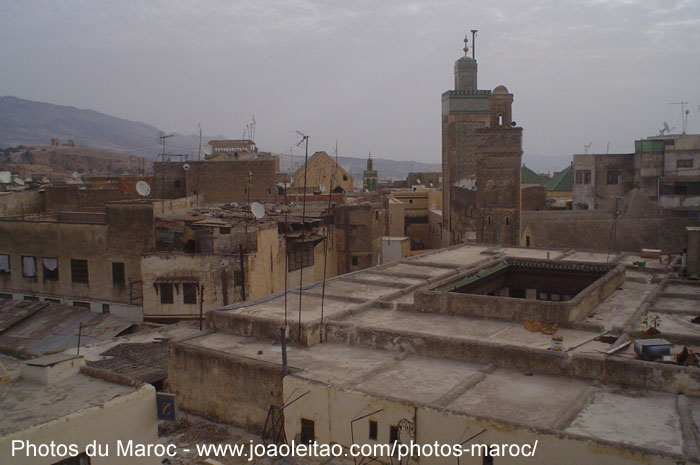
pixel 466 48
pixel 474 31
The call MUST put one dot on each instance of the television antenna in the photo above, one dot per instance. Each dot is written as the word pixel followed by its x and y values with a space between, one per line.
pixel 258 210
pixel 587 146
pixel 143 189
pixel 684 112
pixel 162 138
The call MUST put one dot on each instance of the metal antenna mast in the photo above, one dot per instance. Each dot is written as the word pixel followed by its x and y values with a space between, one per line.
pixel 587 146
pixel 325 240
pixel 305 140
pixel 684 112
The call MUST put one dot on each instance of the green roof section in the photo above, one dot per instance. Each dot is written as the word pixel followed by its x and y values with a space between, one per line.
pixel 527 176
pixel 563 181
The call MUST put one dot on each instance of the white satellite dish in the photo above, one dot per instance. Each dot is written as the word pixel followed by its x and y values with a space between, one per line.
pixel 75 175
pixel 143 189
pixel 418 180
pixel 186 167
pixel 257 209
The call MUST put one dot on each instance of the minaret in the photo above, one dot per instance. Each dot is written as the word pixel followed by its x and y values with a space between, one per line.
pixel 464 110
pixel 369 177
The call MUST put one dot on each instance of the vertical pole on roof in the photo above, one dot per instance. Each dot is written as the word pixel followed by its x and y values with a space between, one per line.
pixel 201 306
pixel 304 139
pixel 240 254
pixel 80 331
pixel 325 239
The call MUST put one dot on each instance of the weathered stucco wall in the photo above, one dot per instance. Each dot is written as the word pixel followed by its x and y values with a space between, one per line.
pixel 224 387
pixel 21 203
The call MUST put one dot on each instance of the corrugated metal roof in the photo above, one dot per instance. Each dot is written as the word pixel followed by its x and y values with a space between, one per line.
pixel 146 361
pixel 54 327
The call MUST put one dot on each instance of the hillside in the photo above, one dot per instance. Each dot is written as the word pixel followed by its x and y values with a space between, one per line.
pixel 32 123
pixel 386 169
pixel 59 162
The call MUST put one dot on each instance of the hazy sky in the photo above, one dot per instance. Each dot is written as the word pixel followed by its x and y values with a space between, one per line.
pixel 366 73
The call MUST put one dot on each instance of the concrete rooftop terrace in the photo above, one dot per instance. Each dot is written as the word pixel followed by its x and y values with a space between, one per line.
pixel 25 403
pixel 489 368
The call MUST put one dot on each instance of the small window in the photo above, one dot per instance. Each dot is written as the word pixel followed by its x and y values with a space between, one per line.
pixel 79 271
pixel 4 264
pixel 488 219
pixel 105 309
pixel 500 120
pixel 81 304
pixel 393 434
pixel 308 433
pixel 507 221
pixel 29 267
pixel 31 298
pixel 118 275
pixel 176 184
pixel 53 301
pixel 4 296
pixel 373 430
pixel 345 178
pixel 613 176
pixel 684 163
pixel 355 261
pixel 189 293
pixel 224 230
pixel 301 257
pixel 49 268
pixel 583 176
pixel 166 293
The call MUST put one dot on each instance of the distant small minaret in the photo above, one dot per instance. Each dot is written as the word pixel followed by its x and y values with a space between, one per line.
pixel 369 177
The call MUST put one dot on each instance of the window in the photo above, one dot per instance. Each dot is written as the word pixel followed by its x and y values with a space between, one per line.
pixel 613 176
pixel 189 293
pixel 345 178
pixel 176 184
pixel 393 434
pixel 166 293
pixel 53 301
pixel 4 296
pixel 308 433
pixel 81 304
pixel 105 309
pixel 4 264
pixel 29 267
pixel 355 261
pixel 79 271
pixel 507 221
pixel 373 430
pixel 583 176
pixel 224 230
pixel 49 268
pixel 118 275
pixel 301 256
pixel 684 163
pixel 31 298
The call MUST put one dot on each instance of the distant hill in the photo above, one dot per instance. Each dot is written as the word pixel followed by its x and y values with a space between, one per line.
pixel 61 162
pixel 386 169
pixel 32 123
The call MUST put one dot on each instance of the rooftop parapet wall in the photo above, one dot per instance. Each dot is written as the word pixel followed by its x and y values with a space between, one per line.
pixel 226 388
pixel 440 299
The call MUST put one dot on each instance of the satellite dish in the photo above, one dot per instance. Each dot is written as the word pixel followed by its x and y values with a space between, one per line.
pixel 418 180
pixel 75 175
pixel 257 209
pixel 143 189
pixel 186 167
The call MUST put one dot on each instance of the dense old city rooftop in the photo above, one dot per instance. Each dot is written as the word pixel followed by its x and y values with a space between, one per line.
pixel 387 335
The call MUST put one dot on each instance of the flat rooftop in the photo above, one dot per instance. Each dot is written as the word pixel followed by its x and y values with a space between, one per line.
pixel 377 341
pixel 25 404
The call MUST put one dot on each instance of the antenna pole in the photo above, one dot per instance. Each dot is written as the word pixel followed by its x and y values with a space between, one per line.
pixel 684 115
pixel 325 239
pixel 199 158
pixel 305 139
pixel 474 31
